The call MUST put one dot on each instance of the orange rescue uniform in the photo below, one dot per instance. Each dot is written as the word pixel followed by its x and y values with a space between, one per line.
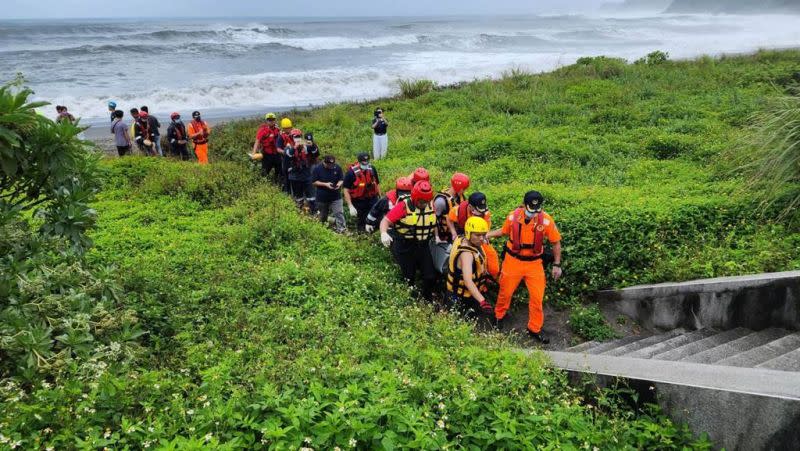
pixel 200 141
pixel 515 269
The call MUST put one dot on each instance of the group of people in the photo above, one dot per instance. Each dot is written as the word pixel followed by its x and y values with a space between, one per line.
pixel 145 131
pixel 438 235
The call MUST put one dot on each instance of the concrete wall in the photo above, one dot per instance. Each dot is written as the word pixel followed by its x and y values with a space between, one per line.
pixel 734 420
pixel 755 302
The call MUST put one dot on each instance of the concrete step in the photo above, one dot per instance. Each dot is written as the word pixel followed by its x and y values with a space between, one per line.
pixel 699 346
pixel 764 353
pixel 738 346
pixel 583 346
pixel 644 343
pixel 672 343
pixel 603 347
pixel 786 362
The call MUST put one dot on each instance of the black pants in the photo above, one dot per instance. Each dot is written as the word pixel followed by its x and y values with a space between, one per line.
pixel 180 150
pixel 271 163
pixel 123 150
pixel 415 256
pixel 302 191
pixel 363 206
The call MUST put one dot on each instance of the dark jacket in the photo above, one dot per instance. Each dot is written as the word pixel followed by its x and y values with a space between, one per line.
pixel 176 132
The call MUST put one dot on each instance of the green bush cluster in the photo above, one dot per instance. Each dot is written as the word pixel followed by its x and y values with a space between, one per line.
pixel 411 89
pixel 588 323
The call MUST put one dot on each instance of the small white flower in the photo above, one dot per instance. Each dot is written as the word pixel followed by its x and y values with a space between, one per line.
pixel 440 424
pixel 156 386
pixel 190 412
pixel 16 444
pixel 146 444
pixel 107 434
pixel 208 437
pixel 131 430
pixel 207 403
pixel 151 429
pixel 352 443
pixel 441 406
pixel 307 440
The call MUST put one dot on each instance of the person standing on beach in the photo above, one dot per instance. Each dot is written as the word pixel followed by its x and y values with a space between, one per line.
pixel 154 129
pixel 112 109
pixel 176 135
pixel 134 121
pixel 144 134
pixel 266 138
pixel 122 139
pixel 380 140
pixel 198 131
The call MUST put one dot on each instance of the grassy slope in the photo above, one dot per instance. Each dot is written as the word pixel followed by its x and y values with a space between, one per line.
pixel 632 159
pixel 266 330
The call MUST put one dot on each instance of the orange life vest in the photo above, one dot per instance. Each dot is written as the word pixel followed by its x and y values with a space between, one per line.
pixel 514 246
pixel 197 127
pixel 464 214
pixel 364 186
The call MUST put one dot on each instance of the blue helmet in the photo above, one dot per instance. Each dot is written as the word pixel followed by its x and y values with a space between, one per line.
pixel 112 104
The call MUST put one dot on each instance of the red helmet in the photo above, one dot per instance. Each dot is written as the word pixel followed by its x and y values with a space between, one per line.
pixel 143 114
pixel 459 182
pixel 419 175
pixel 296 133
pixel 174 115
pixel 422 191
pixel 404 184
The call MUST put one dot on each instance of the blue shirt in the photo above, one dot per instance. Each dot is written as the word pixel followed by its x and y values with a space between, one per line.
pixel 333 175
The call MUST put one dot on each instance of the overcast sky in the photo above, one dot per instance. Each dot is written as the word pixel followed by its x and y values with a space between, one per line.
pixel 25 9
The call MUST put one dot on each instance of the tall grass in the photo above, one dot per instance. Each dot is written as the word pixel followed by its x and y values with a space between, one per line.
pixel 774 165
pixel 410 89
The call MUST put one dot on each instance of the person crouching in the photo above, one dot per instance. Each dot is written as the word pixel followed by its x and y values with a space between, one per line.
pixel 467 271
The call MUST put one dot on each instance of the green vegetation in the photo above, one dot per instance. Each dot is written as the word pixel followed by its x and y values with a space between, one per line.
pixel 232 321
pixel 410 89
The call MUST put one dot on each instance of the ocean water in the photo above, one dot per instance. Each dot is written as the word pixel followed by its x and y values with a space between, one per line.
pixel 230 67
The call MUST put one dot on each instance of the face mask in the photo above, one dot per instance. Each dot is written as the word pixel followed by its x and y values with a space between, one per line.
pixel 529 214
pixel 364 166
pixel 297 141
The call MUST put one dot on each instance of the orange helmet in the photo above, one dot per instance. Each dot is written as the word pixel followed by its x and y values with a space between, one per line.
pixel 404 184
pixel 422 191
pixel 459 182
pixel 296 133
pixel 420 174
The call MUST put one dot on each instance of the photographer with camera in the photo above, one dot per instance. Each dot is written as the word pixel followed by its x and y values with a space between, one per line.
pixel 380 140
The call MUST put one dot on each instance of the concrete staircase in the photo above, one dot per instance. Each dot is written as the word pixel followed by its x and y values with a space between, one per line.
pixel 727 365
pixel 772 348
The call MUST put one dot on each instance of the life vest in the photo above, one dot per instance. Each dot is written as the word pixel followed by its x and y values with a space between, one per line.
pixel 392 196
pixel 300 157
pixel 416 225
pixel 197 127
pixel 455 280
pixel 441 222
pixel 514 246
pixel 364 186
pixel 268 145
pixel 286 139
pixel 144 128
pixel 464 214
pixel 180 131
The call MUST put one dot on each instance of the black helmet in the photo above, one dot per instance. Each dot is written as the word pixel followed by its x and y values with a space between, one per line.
pixel 363 157
pixel 309 136
pixel 533 201
pixel 477 200
pixel 196 114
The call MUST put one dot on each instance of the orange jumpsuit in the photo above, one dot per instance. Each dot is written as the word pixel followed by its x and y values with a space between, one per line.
pixel 200 142
pixel 515 270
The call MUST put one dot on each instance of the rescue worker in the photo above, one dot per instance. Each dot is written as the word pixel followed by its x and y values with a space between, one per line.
pixel 313 161
pixel 266 142
pixel 527 227
pixel 177 137
pixel 446 200
pixel 198 131
pixel 299 172
pixel 155 127
pixel 402 189
pixel 283 142
pixel 467 272
pixel 143 134
pixel 413 224
pixel 475 206
pixel 134 119
pixel 361 189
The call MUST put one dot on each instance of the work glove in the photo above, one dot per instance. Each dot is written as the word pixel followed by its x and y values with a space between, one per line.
pixel 486 307
pixel 353 211
pixel 369 228
pixel 386 239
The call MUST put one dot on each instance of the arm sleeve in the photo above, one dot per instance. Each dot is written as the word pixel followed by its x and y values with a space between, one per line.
pixel 339 175
pixel 397 212
pixel 315 173
pixel 375 173
pixel 349 180
pixel 553 235
pixel 506 227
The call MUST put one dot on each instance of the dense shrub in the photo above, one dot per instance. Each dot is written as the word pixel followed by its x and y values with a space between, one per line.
pixel 410 89
pixel 588 323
